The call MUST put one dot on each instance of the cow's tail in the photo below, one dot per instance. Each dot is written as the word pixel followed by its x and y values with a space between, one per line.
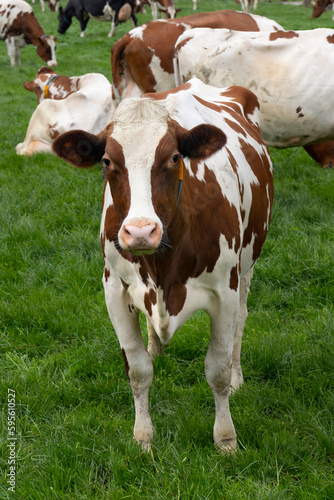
pixel 177 69
pixel 117 66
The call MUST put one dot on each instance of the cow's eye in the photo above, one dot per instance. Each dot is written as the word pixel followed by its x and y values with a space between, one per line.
pixel 105 161
pixel 175 159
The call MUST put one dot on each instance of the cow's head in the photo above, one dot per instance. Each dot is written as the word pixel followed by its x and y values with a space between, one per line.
pixel 37 85
pixel 141 151
pixel 319 7
pixel 64 22
pixel 46 49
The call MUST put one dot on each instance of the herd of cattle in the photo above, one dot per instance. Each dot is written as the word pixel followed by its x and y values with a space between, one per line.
pixel 189 179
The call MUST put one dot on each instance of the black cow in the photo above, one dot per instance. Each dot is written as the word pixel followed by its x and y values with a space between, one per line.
pixel 118 11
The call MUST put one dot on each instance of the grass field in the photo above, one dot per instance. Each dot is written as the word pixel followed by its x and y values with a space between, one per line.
pixel 61 359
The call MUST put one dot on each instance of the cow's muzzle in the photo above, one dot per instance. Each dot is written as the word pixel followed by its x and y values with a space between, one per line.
pixel 140 237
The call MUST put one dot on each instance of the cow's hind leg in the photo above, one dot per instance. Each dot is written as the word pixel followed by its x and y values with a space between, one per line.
pixel 237 377
pixel 218 361
pixel 154 345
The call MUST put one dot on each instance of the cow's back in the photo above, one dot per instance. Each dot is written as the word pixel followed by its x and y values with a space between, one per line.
pixel 278 67
pixel 10 11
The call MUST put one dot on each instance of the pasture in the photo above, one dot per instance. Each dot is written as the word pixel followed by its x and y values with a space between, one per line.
pixel 60 357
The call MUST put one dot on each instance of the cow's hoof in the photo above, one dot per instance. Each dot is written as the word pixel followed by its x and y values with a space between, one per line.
pixel 227 446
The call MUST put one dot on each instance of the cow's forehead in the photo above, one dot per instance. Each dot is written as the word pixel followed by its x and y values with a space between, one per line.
pixel 138 126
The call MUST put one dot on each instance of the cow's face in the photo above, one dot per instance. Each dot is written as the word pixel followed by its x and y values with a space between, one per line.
pixel 64 22
pixel 141 151
pixel 46 50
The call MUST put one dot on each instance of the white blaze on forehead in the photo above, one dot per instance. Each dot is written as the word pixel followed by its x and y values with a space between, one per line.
pixel 139 125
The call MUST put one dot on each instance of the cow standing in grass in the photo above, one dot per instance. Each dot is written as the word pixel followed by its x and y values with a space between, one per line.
pixel 186 210
pixel 118 11
pixel 296 107
pixel 19 27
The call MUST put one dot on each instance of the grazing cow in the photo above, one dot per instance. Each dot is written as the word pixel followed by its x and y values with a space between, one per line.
pixel 163 5
pixel 88 108
pixel 170 250
pixel 296 107
pixel 320 6
pixel 118 11
pixel 19 27
pixel 47 84
pixel 142 60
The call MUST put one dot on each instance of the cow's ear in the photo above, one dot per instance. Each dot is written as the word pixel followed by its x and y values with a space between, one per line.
pixel 201 141
pixel 31 86
pixel 80 148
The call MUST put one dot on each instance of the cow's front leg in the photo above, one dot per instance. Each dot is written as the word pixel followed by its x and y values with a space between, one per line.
pixel 138 362
pixel 83 20
pixel 218 362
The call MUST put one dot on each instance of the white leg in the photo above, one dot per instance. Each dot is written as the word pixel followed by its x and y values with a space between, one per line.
pixel 138 362
pixel 237 377
pixel 154 345
pixel 218 366
pixel 82 34
pixel 112 27
pixel 11 50
pixel 155 9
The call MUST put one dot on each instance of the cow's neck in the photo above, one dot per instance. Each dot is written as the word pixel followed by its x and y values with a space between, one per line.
pixel 34 33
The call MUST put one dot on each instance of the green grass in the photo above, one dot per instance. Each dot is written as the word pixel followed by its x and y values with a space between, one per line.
pixel 58 351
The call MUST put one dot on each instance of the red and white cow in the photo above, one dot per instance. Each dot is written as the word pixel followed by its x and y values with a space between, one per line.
pixel 163 5
pixel 88 108
pixel 320 6
pixel 19 27
pixel 47 84
pixel 296 107
pixel 53 5
pixel 170 250
pixel 142 60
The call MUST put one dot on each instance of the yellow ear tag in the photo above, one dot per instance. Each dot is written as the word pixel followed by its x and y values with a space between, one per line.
pixel 181 169
pixel 46 90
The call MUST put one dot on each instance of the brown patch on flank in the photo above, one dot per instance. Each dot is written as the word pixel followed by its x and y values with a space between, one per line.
pixel 282 34
pixel 330 39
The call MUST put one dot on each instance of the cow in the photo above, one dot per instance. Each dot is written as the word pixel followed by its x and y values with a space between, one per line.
pixel 53 4
pixel 47 84
pixel 247 4
pixel 142 60
pixel 186 209
pixel 165 6
pixel 320 6
pixel 19 27
pixel 118 11
pixel 54 117
pixel 296 108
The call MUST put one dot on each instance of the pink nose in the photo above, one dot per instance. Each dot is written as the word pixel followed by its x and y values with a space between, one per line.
pixel 52 63
pixel 137 237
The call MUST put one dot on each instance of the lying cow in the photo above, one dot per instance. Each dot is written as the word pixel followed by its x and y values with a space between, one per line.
pixel 118 11
pixel 54 117
pixel 19 27
pixel 47 84
pixel 186 209
pixel 142 60
pixel 296 107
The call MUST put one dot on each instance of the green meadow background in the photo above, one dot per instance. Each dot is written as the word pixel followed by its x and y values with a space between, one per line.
pixel 59 354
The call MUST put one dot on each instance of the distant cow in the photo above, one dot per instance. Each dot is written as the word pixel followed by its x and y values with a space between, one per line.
pixel 19 27
pixel 164 5
pixel 88 108
pixel 320 6
pixel 186 210
pixel 53 4
pixel 118 11
pixel 142 60
pixel 47 84
pixel 280 67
